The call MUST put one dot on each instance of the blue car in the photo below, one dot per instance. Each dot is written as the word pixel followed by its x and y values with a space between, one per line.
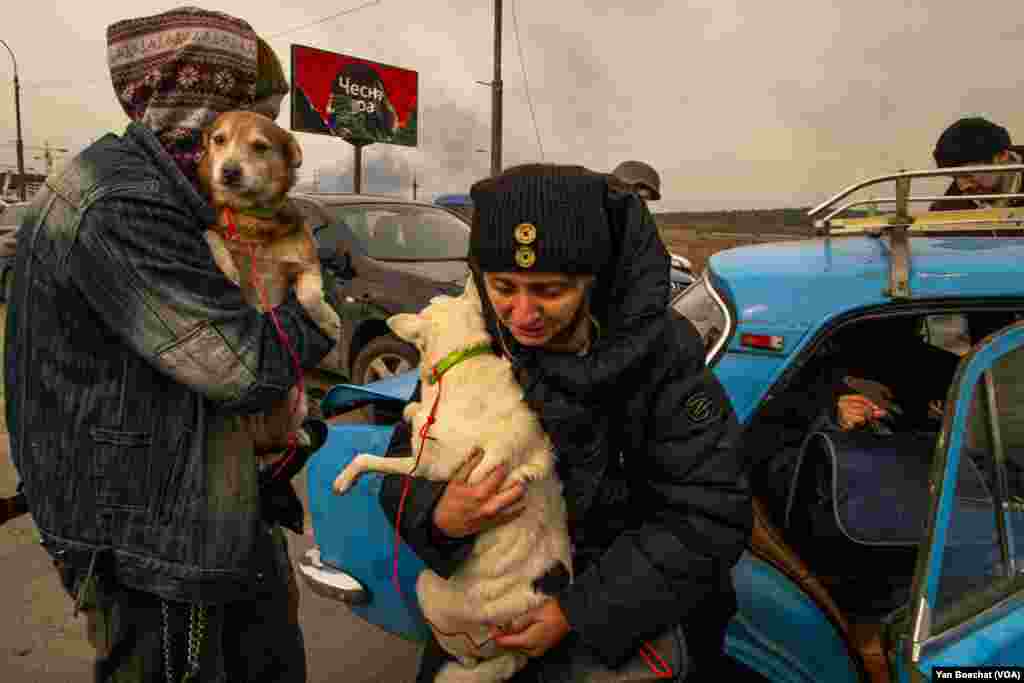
pixel 940 512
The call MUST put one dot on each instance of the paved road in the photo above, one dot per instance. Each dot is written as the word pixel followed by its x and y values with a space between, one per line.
pixel 41 642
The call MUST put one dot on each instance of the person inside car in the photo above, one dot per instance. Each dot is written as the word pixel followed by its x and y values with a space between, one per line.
pixel 875 374
pixel 645 436
pixel 977 141
pixel 134 357
pixel 891 374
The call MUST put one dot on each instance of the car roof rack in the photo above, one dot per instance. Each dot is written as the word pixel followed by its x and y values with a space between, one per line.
pixel 829 220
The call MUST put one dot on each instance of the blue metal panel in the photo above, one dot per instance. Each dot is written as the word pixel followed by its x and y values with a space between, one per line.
pixel 746 377
pixel 344 397
pixel 998 644
pixel 355 536
pixel 781 632
pixel 803 283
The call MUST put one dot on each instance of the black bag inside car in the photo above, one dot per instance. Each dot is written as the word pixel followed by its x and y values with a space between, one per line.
pixel 858 508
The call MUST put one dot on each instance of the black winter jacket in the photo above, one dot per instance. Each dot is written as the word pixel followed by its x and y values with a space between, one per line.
pixel 645 436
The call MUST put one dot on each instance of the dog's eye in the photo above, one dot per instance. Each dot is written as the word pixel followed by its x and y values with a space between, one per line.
pixel 261 147
pixel 218 139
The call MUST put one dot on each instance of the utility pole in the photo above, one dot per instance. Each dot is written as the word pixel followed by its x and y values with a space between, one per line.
pixel 496 94
pixel 17 118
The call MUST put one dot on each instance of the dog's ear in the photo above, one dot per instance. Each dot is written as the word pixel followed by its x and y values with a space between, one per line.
pixel 472 294
pixel 204 149
pixel 408 326
pixel 203 168
pixel 294 152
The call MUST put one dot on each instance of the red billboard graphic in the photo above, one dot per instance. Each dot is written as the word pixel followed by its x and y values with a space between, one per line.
pixel 351 98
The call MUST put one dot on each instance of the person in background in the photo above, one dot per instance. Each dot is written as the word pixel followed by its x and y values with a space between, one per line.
pixel 130 362
pixel 640 178
pixel 971 142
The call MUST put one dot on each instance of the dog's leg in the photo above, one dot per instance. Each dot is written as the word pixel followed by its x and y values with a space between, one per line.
pixel 222 257
pixel 309 289
pixel 364 462
pixel 500 668
pixel 411 410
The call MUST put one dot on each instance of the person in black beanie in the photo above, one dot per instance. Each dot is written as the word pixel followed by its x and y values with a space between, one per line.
pixel 977 141
pixel 574 278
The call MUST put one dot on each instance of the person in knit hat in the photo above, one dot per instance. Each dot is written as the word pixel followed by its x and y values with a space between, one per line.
pixel 574 278
pixel 135 359
pixel 975 141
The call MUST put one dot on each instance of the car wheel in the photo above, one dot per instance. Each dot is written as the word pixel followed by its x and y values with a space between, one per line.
pixel 5 284
pixel 384 357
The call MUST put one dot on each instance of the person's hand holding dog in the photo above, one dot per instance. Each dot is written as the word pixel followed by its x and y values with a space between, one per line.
pixel 535 632
pixel 464 510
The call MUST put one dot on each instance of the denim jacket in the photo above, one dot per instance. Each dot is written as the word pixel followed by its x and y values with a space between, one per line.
pixel 128 354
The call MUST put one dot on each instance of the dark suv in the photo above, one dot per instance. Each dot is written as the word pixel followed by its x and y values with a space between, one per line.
pixel 383 255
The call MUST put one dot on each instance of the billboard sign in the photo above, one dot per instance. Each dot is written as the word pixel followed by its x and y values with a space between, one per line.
pixel 351 98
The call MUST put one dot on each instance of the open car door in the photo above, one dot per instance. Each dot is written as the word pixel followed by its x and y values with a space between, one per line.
pixel 355 560
pixel 967 606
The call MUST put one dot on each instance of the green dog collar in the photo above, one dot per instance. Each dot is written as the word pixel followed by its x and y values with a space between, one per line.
pixel 256 212
pixel 456 357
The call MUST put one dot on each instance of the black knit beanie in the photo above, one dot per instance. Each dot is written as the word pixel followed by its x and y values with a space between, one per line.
pixel 970 141
pixel 541 218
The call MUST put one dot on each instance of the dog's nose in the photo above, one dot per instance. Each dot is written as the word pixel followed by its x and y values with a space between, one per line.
pixel 230 174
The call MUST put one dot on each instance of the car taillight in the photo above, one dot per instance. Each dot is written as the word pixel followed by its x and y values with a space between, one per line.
pixel 768 342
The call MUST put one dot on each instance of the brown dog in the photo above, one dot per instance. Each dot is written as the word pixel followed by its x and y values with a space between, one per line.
pixel 261 242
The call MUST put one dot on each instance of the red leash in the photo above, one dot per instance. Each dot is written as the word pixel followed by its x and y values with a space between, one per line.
pixel 424 435
pixel 232 234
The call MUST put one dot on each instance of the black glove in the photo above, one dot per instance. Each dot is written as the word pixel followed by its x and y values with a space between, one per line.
pixel 278 501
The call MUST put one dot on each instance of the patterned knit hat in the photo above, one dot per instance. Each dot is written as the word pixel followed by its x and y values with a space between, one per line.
pixel 270 79
pixel 970 141
pixel 176 72
pixel 541 218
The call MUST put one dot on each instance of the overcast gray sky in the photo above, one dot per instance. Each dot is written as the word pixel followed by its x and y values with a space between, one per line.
pixel 738 103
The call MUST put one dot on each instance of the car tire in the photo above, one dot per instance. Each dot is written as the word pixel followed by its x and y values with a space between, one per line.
pixel 5 284
pixel 382 357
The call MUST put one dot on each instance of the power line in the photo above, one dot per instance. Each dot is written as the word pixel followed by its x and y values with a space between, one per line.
pixel 522 64
pixel 39 85
pixel 325 19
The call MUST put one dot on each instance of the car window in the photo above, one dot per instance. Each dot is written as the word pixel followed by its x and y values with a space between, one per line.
pixel 980 560
pixel 705 308
pixel 948 331
pixel 396 232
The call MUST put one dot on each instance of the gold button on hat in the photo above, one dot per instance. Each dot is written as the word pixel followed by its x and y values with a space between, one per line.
pixel 526 233
pixel 525 257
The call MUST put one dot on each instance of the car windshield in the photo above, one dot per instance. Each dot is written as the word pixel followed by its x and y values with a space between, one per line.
pixel 404 232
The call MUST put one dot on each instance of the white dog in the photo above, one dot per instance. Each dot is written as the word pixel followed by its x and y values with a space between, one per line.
pixel 481 405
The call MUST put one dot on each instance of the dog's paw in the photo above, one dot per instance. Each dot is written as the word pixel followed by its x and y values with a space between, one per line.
pixel 303 439
pixel 411 410
pixel 346 480
pixel 531 472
